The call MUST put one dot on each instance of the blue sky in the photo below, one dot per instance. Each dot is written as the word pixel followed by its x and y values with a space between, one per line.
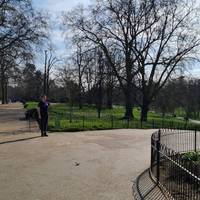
pixel 55 8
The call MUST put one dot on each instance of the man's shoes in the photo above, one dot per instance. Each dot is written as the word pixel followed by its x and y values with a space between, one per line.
pixel 44 134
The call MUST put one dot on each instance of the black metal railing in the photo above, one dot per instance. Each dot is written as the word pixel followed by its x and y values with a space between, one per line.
pixel 172 167
pixel 76 121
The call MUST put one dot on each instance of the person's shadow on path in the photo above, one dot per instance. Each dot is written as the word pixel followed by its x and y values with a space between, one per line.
pixel 19 140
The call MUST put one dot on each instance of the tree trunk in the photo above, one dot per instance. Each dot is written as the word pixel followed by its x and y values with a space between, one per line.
pixel 3 88
pixel 109 103
pixel 80 101
pixel 2 91
pixel 99 100
pixel 45 74
pixel 144 110
pixel 47 92
pixel 89 100
pixel 6 92
pixel 44 84
pixel 129 105
pixel 129 89
pixel 80 94
pixel 47 84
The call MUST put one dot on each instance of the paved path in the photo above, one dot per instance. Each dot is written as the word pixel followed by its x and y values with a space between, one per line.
pixel 11 122
pixel 98 165
pixel 194 121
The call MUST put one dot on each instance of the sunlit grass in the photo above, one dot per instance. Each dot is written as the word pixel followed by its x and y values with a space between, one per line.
pixel 62 117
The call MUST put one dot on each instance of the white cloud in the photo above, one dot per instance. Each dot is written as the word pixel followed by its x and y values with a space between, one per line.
pixel 58 5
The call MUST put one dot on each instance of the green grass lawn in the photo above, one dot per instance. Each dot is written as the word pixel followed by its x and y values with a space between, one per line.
pixel 64 118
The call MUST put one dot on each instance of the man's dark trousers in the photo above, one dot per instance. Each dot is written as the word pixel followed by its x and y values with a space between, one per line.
pixel 44 124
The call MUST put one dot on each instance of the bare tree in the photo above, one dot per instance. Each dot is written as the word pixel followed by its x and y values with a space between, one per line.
pixel 100 81
pixel 9 65
pixel 30 83
pixel 110 26
pixel 6 66
pixel 20 24
pixel 151 40
pixel 20 29
pixel 81 59
pixel 89 76
pixel 49 63
pixel 66 78
pixel 171 41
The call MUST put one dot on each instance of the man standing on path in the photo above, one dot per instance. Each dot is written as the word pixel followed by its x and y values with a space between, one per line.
pixel 43 106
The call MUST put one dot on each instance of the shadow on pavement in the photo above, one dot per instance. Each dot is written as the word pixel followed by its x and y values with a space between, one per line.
pixel 144 187
pixel 19 140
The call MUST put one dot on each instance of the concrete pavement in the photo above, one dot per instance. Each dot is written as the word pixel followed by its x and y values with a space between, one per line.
pixel 97 165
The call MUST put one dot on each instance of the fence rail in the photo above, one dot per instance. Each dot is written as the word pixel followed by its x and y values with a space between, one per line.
pixel 66 121
pixel 173 167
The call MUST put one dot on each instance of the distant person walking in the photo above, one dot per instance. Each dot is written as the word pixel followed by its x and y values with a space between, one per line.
pixel 43 106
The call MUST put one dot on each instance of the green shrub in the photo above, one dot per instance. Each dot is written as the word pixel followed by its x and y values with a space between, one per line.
pixel 191 156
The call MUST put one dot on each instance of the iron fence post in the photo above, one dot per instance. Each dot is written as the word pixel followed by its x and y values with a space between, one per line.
pixel 128 120
pixel 153 124
pixel 158 157
pixel 70 117
pixel 178 176
pixel 112 122
pixel 83 121
pixel 195 140
pixel 152 153
pixel 29 124
pixel 185 126
pixel 56 121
